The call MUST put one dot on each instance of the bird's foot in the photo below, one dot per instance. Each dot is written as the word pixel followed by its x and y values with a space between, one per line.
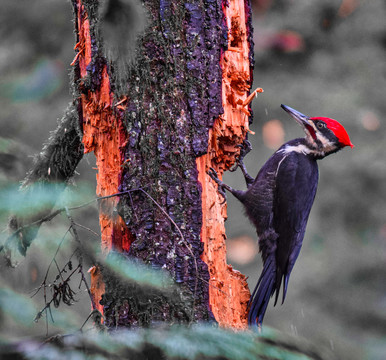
pixel 213 174
pixel 245 148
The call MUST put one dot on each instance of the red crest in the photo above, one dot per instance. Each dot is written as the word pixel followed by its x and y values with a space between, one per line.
pixel 339 131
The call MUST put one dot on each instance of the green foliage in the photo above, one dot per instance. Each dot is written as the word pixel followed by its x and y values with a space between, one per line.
pixel 161 341
pixel 33 206
pixel 17 307
pixel 44 195
pixel 24 203
pixel 198 342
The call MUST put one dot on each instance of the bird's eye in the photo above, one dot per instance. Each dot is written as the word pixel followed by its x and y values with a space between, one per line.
pixel 320 125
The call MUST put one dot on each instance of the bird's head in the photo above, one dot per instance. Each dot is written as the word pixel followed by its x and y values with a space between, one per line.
pixel 324 135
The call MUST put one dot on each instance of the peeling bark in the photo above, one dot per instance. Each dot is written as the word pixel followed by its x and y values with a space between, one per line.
pixel 102 125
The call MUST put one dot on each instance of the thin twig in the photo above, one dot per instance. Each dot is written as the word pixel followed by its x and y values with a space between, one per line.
pixel 48 304
pixel 92 314
pixel 86 228
pixel 43 284
pixel 75 234
pixel 80 258
pixel 94 307
pixel 59 271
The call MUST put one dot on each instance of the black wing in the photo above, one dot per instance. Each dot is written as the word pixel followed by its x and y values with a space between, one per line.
pixel 296 183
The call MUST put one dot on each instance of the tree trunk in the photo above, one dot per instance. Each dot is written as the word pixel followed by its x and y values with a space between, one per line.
pixel 182 112
pixel 156 125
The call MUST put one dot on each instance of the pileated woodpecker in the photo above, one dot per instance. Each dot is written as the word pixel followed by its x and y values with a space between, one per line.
pixel 279 200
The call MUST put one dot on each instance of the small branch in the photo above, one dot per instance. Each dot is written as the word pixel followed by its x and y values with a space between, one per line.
pixel 97 317
pixel 60 292
pixel 75 235
pixel 86 228
pixel 59 271
pixel 43 284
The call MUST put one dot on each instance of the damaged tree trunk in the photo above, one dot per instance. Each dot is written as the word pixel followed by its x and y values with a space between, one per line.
pixel 156 126
pixel 184 110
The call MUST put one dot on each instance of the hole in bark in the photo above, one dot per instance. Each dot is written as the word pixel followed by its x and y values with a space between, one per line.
pixel 236 32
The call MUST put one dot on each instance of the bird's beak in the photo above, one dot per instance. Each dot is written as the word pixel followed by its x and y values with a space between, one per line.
pixel 300 118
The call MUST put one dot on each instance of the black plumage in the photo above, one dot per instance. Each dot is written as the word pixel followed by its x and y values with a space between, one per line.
pixel 279 200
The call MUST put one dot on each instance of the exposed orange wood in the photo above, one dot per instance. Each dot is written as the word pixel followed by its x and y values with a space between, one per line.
pixel 105 135
pixel 97 287
pixel 249 99
pixel 84 44
pixel 228 292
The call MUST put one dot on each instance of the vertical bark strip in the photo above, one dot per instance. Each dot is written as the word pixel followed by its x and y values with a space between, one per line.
pixel 103 133
pixel 103 130
pixel 229 293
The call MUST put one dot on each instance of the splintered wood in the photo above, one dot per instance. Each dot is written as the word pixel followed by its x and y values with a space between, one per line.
pixel 105 135
pixel 229 293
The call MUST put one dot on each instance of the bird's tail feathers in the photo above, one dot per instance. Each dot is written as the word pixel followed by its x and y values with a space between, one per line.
pixel 262 293
pixel 281 279
pixel 285 286
pixel 278 285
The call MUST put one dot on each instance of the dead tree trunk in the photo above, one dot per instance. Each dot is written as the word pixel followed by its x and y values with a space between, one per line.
pixel 183 111
pixel 155 127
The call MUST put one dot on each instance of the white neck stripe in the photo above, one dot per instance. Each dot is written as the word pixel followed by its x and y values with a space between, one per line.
pixel 301 148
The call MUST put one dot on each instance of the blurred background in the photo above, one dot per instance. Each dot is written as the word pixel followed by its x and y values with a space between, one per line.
pixel 323 58
pixel 36 49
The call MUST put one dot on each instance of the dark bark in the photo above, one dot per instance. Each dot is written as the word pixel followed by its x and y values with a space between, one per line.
pixel 173 98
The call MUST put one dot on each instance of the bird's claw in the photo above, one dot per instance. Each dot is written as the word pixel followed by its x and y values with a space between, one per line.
pixel 234 166
pixel 245 148
pixel 213 174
